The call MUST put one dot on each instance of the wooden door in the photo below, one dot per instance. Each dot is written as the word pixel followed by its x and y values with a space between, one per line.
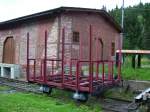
pixel 98 50
pixel 101 48
pixel 9 51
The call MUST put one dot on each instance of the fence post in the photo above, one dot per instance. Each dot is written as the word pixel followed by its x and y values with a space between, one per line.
pixel 62 55
pixel 45 58
pixel 77 75
pixel 103 71
pixel 90 59
pixel 28 57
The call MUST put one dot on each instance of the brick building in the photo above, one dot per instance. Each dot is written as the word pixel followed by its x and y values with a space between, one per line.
pixel 76 21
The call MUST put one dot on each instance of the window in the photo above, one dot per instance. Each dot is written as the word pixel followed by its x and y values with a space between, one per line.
pixel 112 49
pixel 75 38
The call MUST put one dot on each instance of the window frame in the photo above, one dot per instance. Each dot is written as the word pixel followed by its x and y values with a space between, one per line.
pixel 76 37
pixel 112 48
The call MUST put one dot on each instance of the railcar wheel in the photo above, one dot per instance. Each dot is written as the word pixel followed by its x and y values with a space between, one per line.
pixel 46 89
pixel 80 96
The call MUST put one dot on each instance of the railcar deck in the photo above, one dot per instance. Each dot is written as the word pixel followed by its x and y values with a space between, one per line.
pixel 79 75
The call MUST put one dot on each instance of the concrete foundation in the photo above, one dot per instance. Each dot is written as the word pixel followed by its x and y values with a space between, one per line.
pixel 10 71
pixel 137 85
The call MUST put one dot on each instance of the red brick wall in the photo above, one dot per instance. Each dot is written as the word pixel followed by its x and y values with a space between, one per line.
pixel 36 31
pixel 80 22
pixel 101 29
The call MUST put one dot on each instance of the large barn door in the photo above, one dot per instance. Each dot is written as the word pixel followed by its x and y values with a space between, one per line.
pixel 101 48
pixel 98 50
pixel 9 51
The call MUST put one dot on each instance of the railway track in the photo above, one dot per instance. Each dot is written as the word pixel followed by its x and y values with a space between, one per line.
pixel 108 105
pixel 117 105
pixel 21 85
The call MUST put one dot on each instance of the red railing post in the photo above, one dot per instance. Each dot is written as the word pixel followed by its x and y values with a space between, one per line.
pixel 45 59
pixel 28 57
pixel 90 59
pixel 41 70
pixel 119 70
pixel 109 70
pixel 103 71
pixel 112 71
pixel 77 75
pixel 71 67
pixel 80 49
pixel 34 70
pixel 91 77
pixel 97 70
pixel 62 56
pixel 52 67
pixel 120 58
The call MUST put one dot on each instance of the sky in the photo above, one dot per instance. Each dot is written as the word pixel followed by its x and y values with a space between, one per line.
pixel 10 9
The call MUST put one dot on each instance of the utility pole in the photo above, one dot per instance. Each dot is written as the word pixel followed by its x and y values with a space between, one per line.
pixel 122 23
pixel 122 17
pixel 140 1
pixel 121 37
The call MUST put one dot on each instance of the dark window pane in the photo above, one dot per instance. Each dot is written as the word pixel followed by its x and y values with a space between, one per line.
pixel 112 49
pixel 75 37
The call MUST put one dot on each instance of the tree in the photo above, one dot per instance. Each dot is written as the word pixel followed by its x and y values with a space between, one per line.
pixel 136 26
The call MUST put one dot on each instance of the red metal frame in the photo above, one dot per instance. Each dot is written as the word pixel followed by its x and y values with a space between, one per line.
pixel 62 57
pixel 45 58
pixel 53 72
pixel 27 56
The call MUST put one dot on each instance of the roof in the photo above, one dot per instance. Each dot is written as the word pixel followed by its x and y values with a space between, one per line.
pixel 56 11
pixel 134 51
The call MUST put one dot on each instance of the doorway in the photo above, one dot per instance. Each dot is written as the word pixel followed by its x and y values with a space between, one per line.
pixel 9 51
pixel 99 49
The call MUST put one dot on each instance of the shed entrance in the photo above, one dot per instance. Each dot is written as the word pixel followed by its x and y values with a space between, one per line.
pixel 99 49
pixel 9 51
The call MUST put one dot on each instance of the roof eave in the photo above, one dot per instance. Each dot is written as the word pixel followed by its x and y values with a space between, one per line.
pixel 58 11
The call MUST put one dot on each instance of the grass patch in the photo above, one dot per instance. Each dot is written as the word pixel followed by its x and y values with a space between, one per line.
pixel 66 96
pixel 119 93
pixel 127 72
pixel 3 88
pixel 138 73
pixel 29 102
